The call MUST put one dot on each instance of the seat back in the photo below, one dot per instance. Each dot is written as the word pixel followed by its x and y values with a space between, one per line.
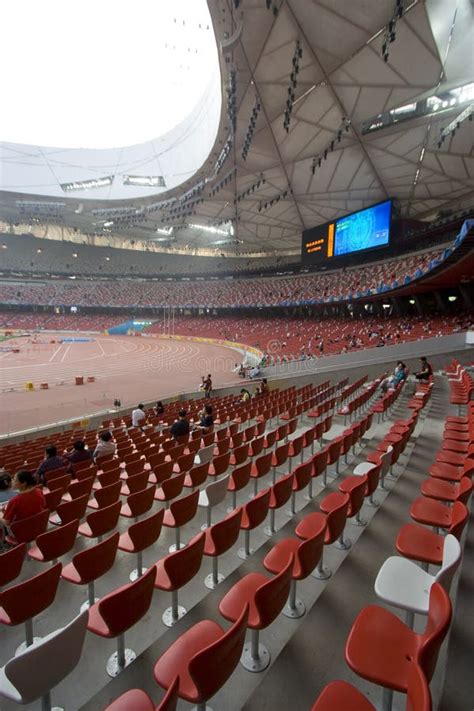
pixel 241 453
pixel 459 517
pixel 309 553
pixel 59 482
pixel 465 490
pixel 224 533
pixel 94 561
pixel 144 533
pixel 334 450
pixel 184 509
pixel 141 501
pixel 42 666
pixel 198 474
pixel 108 495
pixel 58 541
pixel 212 666
pixel 23 601
pixel 451 560
pixel 221 463
pixel 52 499
pixel 320 462
pixel 205 454
pixel 125 606
pixel 336 519
pixel 71 510
pixel 183 565
pixel 281 491
pixel 163 471
pixel 263 464
pixel 418 690
pixel 185 462
pixel 372 478
pixel 172 487
pixel 280 454
pixel 82 487
pixel 437 626
pixel 256 509
pixel 10 563
pixel 107 478
pixel 137 482
pixel 302 475
pixel 104 520
pixel 270 597
pixel 240 477
pixel 217 490
pixel 27 529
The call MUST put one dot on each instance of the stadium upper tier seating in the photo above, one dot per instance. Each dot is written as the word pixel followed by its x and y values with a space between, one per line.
pixel 260 291
pixel 57 322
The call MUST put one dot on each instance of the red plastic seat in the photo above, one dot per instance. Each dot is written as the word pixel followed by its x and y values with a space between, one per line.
pixel 160 472
pixel 138 700
pixel 117 612
pixel 51 545
pixel 11 563
pixel 107 479
pixel 355 487
pixel 432 513
pixel 220 537
pixel 52 499
pixel 260 468
pixel 139 503
pixel 419 543
pixel 335 521
pixel 219 464
pixel 101 521
pixel 135 482
pixel 279 457
pixel 184 463
pixel 60 482
pixel 253 514
pixel 20 603
pixel 256 446
pixel 265 598
pixel 336 507
pixel 139 537
pixel 280 493
pixel 306 556
pixel 296 448
pixel 196 476
pixel 179 513
pixel 447 491
pixel 105 496
pixel 450 472
pixel 340 695
pixel 174 571
pixel 301 479
pixel 238 480
pixel 239 455
pixel 79 488
pixel 382 648
pixel 203 657
pixel 70 511
pixel 90 564
pixel 170 488
pixel 27 529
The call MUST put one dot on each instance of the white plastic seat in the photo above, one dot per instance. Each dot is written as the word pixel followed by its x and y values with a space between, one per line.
pixel 33 673
pixel 212 495
pixel 402 583
pixel 365 467
pixel 204 455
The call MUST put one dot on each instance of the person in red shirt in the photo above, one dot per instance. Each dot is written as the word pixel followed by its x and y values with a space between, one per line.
pixel 28 502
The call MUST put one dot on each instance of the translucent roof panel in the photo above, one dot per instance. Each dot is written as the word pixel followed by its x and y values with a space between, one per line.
pixel 102 74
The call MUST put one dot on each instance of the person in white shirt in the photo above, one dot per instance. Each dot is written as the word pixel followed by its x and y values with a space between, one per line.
pixel 138 416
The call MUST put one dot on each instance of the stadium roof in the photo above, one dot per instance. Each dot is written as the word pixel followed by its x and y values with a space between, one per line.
pixel 335 106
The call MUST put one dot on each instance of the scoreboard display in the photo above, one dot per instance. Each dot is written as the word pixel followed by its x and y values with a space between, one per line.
pixel 357 232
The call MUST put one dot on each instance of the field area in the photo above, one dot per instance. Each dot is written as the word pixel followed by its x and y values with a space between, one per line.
pixel 124 367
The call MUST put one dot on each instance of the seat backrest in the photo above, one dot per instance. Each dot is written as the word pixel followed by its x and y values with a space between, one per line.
pixel 217 490
pixel 141 501
pixel 199 473
pixel 59 482
pixel 27 529
pixel 281 491
pixel 70 510
pixel 372 478
pixel 82 487
pixel 173 486
pixel 109 477
pixel 52 499
pixel 206 454
pixel 225 533
pixel 11 562
pixel 146 532
pixel 451 560
pixel 105 519
pixel 163 471
pixel 58 541
pixel 459 517
pixel 170 699
pixel 465 490
pixel 108 495
pixel 23 601
pixel 94 561
pixel 125 606
pixel 437 626
pixel 184 509
pixel 309 553
pixel 183 565
pixel 257 508
pixel 302 475
pixel 334 450
pixel 263 464
pixel 241 476
pixel 320 461
pixel 212 666
pixel 336 519
pixel 42 666
pixel 271 596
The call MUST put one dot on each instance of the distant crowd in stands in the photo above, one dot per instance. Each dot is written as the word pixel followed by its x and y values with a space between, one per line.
pixel 57 322
pixel 258 291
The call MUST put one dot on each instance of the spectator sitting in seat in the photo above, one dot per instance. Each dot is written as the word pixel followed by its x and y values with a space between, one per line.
pixel 6 489
pixel 207 418
pixel 51 461
pixel 255 372
pixel 426 370
pixel 139 416
pixel 79 453
pixel 181 427
pixel 159 408
pixel 28 502
pixel 264 389
pixel 105 446
pixel 244 395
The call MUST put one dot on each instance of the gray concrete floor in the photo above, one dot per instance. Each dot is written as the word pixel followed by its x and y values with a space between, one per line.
pixel 306 653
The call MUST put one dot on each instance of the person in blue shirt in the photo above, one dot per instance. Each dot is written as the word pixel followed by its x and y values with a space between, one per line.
pixel 207 419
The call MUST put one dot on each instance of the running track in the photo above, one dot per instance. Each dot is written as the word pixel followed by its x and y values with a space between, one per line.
pixel 131 368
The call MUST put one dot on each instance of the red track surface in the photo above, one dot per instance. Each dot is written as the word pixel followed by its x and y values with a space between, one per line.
pixel 128 368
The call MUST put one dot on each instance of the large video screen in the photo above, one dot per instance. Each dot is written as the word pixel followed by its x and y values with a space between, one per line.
pixel 363 230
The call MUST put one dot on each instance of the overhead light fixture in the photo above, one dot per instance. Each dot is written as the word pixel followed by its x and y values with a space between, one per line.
pixel 164 231
pixel 147 181
pixel 214 230
pixel 452 298
pixel 412 301
pixel 91 184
